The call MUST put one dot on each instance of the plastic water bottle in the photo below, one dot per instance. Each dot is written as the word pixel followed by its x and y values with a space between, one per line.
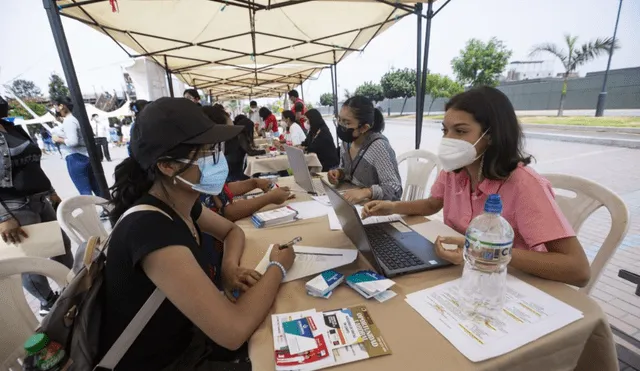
pixel 487 251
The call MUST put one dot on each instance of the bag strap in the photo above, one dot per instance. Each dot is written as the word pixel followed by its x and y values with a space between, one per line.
pixel 134 328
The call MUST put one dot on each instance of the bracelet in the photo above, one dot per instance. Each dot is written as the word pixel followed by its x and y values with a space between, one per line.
pixel 277 264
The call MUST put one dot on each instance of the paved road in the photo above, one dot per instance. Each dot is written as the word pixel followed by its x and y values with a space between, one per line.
pixel 616 168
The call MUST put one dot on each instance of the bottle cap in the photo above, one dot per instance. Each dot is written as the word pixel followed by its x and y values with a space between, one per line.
pixel 493 204
pixel 36 343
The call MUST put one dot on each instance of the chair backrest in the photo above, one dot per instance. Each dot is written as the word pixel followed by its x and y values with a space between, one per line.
pixel 17 320
pixel 420 164
pixel 79 219
pixel 589 197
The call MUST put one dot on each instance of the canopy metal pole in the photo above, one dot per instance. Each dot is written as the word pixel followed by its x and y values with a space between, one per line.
pixel 419 96
pixel 80 111
pixel 301 89
pixel 602 97
pixel 425 65
pixel 169 79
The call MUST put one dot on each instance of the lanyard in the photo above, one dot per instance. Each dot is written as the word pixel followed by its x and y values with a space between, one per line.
pixel 356 161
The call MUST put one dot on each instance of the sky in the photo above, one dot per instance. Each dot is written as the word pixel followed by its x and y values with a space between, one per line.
pixel 28 50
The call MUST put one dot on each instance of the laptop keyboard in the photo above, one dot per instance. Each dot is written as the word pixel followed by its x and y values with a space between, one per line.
pixel 318 188
pixel 389 251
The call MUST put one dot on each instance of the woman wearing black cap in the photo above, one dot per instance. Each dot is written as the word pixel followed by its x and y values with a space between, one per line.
pixel 176 157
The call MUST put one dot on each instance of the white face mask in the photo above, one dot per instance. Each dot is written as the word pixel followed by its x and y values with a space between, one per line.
pixel 457 153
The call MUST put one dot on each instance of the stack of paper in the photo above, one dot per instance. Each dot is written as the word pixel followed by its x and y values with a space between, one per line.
pixel 369 283
pixel 527 315
pixel 312 260
pixel 334 223
pixel 274 217
pixel 311 341
pixel 323 284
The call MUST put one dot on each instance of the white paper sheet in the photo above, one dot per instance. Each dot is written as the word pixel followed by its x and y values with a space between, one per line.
pixel 434 228
pixel 312 260
pixel 528 314
pixel 44 241
pixel 309 209
pixel 323 200
pixel 334 223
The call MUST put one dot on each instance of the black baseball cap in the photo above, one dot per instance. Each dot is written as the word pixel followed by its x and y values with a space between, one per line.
pixel 168 122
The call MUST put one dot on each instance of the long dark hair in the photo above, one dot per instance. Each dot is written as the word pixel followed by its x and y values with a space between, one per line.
pixel 216 113
pixel 132 181
pixel 364 111
pixel 248 127
pixel 492 109
pixel 264 112
pixel 316 122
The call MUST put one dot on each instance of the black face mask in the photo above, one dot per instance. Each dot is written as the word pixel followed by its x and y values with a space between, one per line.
pixel 346 134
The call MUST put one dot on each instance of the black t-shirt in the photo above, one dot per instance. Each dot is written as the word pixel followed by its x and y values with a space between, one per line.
pixel 323 146
pixel 127 287
pixel 28 176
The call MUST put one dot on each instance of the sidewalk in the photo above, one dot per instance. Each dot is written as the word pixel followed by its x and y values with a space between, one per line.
pixel 605 136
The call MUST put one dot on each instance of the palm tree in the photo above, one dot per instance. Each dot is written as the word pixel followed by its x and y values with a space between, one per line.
pixel 574 57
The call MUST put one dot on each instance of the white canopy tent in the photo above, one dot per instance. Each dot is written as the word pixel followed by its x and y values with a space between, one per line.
pixel 240 48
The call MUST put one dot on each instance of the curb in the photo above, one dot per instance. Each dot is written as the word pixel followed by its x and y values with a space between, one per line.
pixel 612 142
pixel 593 129
pixel 603 141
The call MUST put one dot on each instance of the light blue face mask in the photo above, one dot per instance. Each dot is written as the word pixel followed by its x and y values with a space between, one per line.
pixel 212 175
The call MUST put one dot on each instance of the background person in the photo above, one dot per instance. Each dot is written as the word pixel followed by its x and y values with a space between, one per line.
pixel 73 148
pixel 481 154
pixel 176 154
pixel 293 128
pixel 192 95
pixel 320 141
pixel 298 107
pixel 367 159
pixel 101 132
pixel 270 121
pixel 254 116
pixel 25 197
pixel 238 148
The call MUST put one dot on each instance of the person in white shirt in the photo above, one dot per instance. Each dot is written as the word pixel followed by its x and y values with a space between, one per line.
pixel 74 150
pixel 293 128
pixel 101 132
pixel 255 116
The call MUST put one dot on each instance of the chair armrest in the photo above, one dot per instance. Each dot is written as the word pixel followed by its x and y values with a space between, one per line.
pixel 631 277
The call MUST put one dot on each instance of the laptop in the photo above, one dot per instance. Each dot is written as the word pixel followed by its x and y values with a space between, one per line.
pixel 301 172
pixel 391 248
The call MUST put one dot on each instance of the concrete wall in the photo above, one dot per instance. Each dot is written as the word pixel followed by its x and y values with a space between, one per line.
pixel 623 92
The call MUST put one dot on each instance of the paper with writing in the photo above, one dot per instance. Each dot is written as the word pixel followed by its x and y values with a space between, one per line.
pixel 527 315
pixel 312 260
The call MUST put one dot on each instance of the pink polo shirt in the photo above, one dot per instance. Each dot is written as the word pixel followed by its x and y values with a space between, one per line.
pixel 528 204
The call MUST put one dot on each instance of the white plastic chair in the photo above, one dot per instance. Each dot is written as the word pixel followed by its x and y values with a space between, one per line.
pixel 420 164
pixel 17 320
pixel 589 197
pixel 79 219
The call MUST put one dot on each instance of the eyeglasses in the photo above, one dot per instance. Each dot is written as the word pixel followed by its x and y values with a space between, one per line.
pixel 214 152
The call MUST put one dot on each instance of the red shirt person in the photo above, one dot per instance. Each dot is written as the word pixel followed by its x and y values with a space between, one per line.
pixel 270 121
pixel 298 107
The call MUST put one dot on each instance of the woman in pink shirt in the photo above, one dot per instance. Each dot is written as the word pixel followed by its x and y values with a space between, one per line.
pixel 481 154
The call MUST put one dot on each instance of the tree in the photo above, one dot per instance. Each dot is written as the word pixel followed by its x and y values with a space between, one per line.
pixel 16 109
pixel 574 57
pixel 308 105
pixel 326 99
pixel 481 63
pixel 439 86
pixel 371 91
pixel 57 88
pixel 25 89
pixel 347 94
pixel 399 84
pixel 233 107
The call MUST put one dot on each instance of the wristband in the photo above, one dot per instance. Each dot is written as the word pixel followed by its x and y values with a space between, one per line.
pixel 277 264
